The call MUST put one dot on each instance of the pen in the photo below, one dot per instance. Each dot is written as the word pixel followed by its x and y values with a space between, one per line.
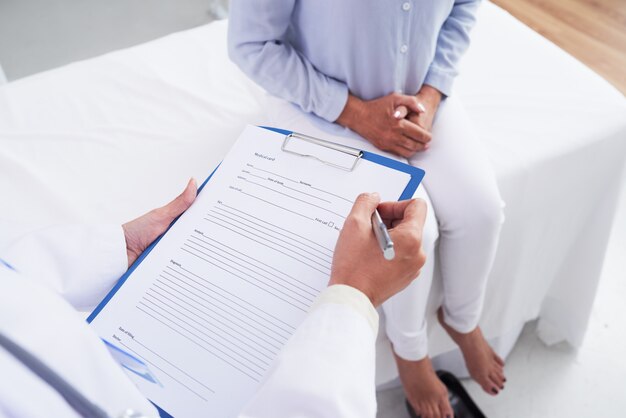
pixel 382 234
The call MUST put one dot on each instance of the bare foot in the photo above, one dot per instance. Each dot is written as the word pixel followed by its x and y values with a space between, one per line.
pixel 425 392
pixel 483 364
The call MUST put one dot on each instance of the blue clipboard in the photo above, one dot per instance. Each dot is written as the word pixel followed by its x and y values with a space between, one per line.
pixel 417 174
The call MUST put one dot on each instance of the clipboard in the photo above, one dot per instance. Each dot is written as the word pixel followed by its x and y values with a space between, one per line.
pixel 417 174
pixel 351 155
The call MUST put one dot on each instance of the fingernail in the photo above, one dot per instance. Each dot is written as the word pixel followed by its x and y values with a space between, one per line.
pixel 494 391
pixel 421 107
pixel 397 114
pixel 375 195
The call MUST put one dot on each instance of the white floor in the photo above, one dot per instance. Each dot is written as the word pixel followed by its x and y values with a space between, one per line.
pixel 558 381
pixel 36 35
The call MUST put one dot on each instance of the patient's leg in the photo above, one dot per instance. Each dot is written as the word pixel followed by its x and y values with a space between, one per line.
pixel 483 364
pixel 406 328
pixel 464 193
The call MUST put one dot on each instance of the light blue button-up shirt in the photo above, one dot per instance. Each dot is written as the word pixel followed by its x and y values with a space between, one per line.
pixel 313 52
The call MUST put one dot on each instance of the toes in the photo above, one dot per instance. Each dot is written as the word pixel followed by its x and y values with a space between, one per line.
pixel 416 410
pixel 490 389
pixel 489 386
pixel 496 380
pixel 421 411
pixel 425 413
pixel 445 409
pixel 496 387
pixel 433 411
pixel 497 373
pixel 499 378
pixel 429 411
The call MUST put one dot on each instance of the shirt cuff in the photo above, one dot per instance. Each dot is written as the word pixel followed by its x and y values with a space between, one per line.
pixel 349 296
pixel 115 246
pixel 105 261
pixel 440 80
pixel 333 101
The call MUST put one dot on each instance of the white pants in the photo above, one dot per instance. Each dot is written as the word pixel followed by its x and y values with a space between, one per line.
pixel 469 214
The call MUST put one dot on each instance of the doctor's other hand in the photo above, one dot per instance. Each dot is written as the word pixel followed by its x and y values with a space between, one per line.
pixel 358 261
pixel 140 232
pixel 378 121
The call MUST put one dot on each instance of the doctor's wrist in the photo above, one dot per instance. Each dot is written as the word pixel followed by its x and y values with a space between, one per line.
pixel 352 297
pixel 358 286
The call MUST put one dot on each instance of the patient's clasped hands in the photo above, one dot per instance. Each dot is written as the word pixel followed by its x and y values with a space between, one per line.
pixel 397 123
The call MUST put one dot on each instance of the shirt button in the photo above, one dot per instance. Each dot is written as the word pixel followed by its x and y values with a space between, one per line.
pixel 404 48
pixel 406 6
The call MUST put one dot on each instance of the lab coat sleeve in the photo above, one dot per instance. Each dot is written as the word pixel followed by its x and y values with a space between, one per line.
pixel 256 44
pixel 327 367
pixel 452 42
pixel 80 263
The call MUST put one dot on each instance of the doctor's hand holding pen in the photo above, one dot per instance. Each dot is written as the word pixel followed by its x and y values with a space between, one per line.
pixel 358 260
pixel 397 123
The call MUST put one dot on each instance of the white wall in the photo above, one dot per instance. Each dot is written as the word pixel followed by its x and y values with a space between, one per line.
pixel 37 35
pixel 3 78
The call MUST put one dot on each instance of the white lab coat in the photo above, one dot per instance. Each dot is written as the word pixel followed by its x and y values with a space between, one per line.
pixel 325 370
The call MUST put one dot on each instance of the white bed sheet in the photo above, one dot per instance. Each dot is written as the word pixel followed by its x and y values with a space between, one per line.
pixel 107 139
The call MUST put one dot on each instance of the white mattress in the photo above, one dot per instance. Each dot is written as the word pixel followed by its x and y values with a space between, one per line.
pixel 107 139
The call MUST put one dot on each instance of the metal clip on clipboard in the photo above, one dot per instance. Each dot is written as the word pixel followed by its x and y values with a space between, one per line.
pixel 344 149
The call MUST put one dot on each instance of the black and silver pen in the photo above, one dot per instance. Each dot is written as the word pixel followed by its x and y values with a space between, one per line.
pixel 382 234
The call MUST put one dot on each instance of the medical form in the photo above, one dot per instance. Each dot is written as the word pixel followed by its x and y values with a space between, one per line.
pixel 211 305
